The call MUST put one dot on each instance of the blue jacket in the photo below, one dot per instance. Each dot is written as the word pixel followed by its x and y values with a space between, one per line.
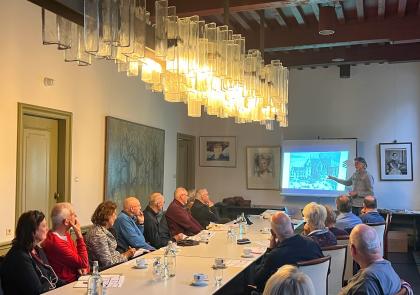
pixel 129 233
pixel 347 221
pixel 372 217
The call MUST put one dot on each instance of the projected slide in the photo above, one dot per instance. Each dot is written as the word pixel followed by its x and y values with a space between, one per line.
pixel 309 170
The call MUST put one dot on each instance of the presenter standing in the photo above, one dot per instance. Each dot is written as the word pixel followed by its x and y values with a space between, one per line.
pixel 361 181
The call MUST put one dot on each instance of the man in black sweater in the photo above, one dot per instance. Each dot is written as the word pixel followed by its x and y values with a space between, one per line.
pixel 203 209
pixel 285 248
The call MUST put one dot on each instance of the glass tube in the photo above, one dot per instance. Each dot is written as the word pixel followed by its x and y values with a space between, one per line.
pixel 222 37
pixel 161 32
pixel 115 21
pixel 193 44
pixel 64 29
pixel 183 37
pixel 125 17
pixel 105 28
pixel 91 25
pixel 133 69
pixel 49 27
pixel 211 36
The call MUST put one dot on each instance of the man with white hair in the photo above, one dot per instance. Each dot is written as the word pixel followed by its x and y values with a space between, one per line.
pixel 129 226
pixel 376 275
pixel 69 260
pixel 203 209
pixel 285 248
pixel 156 229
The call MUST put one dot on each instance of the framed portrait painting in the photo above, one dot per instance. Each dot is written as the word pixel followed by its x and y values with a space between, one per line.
pixel 218 151
pixel 396 161
pixel 263 168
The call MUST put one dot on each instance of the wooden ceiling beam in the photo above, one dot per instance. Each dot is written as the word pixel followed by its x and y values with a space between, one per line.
pixel 71 10
pixel 402 4
pixel 298 15
pixel 381 9
pixel 390 30
pixel 339 11
pixel 355 54
pixel 315 9
pixel 360 10
pixel 238 18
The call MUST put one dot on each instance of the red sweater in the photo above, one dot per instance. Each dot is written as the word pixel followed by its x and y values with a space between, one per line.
pixel 65 258
pixel 180 220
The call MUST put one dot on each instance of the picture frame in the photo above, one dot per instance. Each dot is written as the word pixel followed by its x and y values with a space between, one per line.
pixel 396 161
pixel 263 167
pixel 217 151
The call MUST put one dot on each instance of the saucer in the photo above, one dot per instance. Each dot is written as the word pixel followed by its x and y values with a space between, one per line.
pixel 199 283
pixel 140 267
pixel 247 256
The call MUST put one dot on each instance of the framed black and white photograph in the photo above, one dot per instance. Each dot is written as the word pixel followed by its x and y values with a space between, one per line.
pixel 263 168
pixel 218 151
pixel 396 161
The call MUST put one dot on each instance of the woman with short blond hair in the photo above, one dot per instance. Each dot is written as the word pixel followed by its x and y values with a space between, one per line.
pixel 288 280
pixel 315 215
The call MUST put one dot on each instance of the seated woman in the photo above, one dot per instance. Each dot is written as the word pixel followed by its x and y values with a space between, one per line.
pixel 315 215
pixel 330 222
pixel 100 242
pixel 288 280
pixel 25 269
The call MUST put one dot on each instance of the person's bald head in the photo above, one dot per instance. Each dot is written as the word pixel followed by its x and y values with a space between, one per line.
pixel 365 244
pixel 282 225
pixel 369 202
pixel 343 204
pixel 181 195
pixel 132 205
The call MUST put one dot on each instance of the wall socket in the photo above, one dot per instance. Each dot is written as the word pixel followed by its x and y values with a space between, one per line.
pixel 8 232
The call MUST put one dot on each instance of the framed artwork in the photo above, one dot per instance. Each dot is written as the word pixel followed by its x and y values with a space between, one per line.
pixel 263 168
pixel 218 151
pixel 396 161
pixel 134 160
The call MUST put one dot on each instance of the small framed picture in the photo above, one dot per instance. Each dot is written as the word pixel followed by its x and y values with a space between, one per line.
pixel 263 168
pixel 218 151
pixel 396 161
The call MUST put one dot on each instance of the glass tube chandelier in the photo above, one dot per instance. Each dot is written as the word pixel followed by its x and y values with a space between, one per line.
pixel 200 64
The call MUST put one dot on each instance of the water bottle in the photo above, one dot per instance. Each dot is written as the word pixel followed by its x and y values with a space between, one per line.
pixel 157 269
pixel 242 223
pixel 95 282
pixel 170 259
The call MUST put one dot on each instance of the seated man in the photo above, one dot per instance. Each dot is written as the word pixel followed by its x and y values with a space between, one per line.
pixel 369 211
pixel 285 248
pixel 68 260
pixel 179 218
pixel 129 226
pixel 156 230
pixel 203 209
pixel 376 275
pixel 346 220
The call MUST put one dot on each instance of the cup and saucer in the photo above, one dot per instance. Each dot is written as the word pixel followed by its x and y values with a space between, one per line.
pixel 199 280
pixel 219 263
pixel 141 263
pixel 247 253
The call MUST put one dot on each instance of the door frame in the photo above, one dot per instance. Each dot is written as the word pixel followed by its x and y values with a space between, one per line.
pixel 64 156
pixel 192 138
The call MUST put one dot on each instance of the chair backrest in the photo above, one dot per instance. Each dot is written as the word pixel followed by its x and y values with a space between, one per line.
pixel 338 256
pixel 317 270
pixel 388 220
pixel 348 273
pixel 380 230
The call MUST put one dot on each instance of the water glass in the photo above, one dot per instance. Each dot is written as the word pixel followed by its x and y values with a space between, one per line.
pixel 218 276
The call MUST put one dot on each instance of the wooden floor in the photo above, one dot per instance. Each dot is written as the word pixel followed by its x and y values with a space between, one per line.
pixel 406 268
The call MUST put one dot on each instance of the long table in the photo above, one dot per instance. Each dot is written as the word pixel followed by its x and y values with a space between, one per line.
pixel 189 260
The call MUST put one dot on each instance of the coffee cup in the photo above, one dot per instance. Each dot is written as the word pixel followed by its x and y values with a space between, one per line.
pixel 141 262
pixel 247 251
pixel 219 262
pixel 199 277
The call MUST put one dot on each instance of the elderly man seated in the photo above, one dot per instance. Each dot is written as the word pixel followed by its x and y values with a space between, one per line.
pixel 315 216
pixel 67 259
pixel 129 226
pixel 179 218
pixel 346 220
pixel 285 248
pixel 156 230
pixel 203 209
pixel 369 211
pixel 376 275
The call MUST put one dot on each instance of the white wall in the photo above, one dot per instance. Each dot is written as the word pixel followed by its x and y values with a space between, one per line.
pixel 379 103
pixel 90 93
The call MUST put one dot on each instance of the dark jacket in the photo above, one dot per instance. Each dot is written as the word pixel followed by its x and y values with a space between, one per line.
pixel 156 230
pixel 323 237
pixel 290 251
pixel 203 213
pixel 372 217
pixel 21 274
pixel 180 220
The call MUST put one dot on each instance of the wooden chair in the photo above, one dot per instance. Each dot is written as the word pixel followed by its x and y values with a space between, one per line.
pixel 380 230
pixel 317 270
pixel 348 273
pixel 388 220
pixel 338 256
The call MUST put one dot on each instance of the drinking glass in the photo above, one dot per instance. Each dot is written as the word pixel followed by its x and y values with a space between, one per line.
pixel 218 276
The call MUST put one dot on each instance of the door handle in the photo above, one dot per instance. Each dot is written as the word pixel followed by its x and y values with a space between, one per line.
pixel 56 196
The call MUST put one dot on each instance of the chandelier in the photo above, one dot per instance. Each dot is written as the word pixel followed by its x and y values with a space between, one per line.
pixel 200 64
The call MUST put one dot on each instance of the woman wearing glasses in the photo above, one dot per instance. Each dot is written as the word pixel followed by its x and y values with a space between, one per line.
pixel 25 269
